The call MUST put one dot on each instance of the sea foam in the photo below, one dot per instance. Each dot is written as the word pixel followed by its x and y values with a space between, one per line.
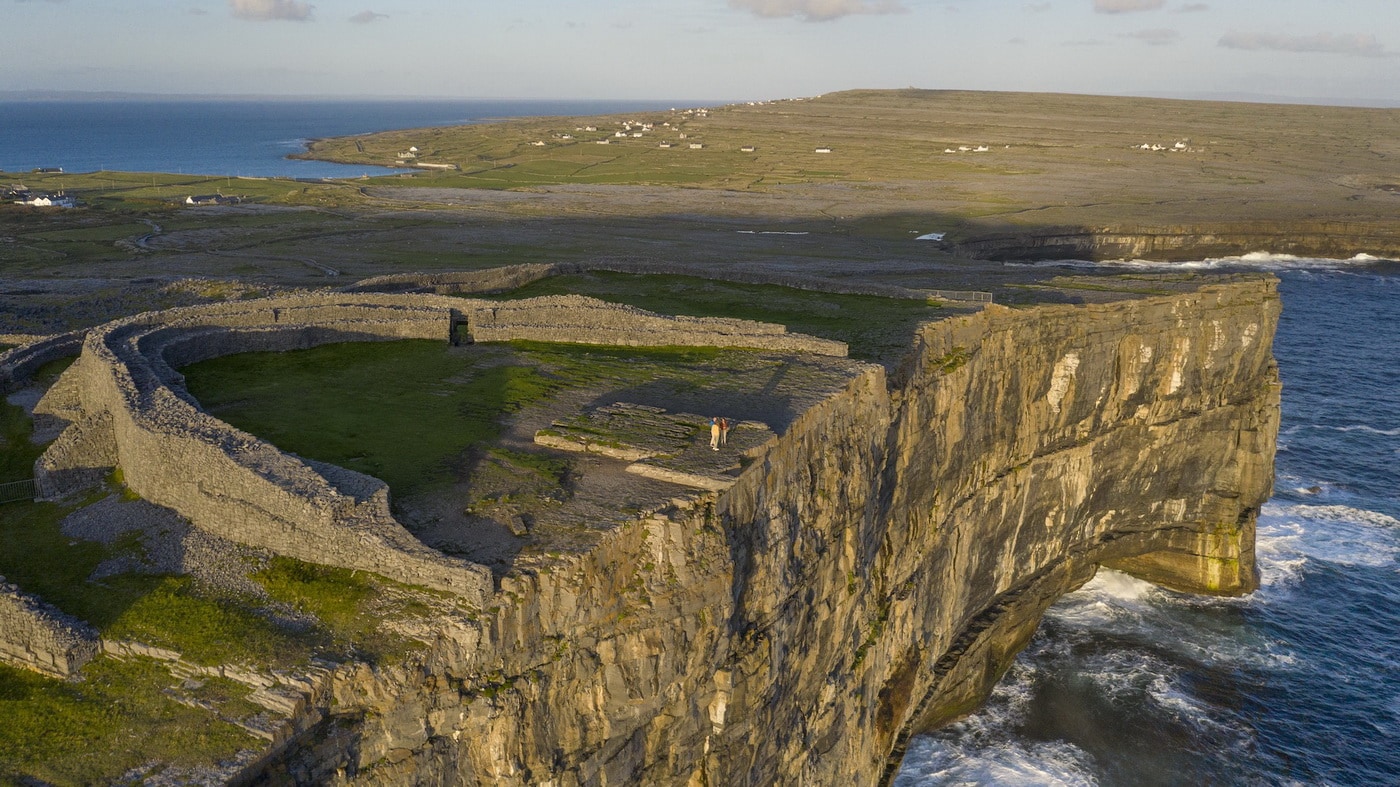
pixel 1255 260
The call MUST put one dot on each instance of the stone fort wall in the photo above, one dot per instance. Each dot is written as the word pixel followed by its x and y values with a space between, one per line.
pixel 18 364
pixel 35 635
pixel 130 409
pixel 504 279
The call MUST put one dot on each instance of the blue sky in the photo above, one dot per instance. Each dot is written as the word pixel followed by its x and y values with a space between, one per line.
pixel 1347 51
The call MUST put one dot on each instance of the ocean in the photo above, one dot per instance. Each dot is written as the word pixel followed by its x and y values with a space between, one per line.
pixel 234 138
pixel 1124 683
pixel 1296 684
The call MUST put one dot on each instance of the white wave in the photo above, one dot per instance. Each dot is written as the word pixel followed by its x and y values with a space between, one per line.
pixel 1261 260
pixel 1367 428
pixel 1291 534
pixel 1278 554
pixel 1109 599
pixel 1012 764
pixel 1331 514
pixel 1116 603
pixel 985 749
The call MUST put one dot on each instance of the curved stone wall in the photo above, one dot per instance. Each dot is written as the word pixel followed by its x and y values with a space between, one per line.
pixel 18 364
pixel 136 413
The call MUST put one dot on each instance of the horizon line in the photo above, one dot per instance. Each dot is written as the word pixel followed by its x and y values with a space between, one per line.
pixel 41 95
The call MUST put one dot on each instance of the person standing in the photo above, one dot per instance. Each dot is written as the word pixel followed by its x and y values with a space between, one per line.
pixel 714 434
pixel 724 431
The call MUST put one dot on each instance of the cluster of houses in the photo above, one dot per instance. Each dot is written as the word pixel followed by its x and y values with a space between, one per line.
pixel 969 149
pixel 637 129
pixel 23 196
pixel 1179 147
pixel 211 199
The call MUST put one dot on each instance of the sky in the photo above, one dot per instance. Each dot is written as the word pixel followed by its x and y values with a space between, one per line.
pixel 1337 51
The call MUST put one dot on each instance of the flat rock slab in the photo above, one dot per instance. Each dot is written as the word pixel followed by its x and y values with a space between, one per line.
pixel 670 447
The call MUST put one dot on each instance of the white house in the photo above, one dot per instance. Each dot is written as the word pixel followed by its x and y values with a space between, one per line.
pixel 822 150
pixel 696 145
pixel 52 201
pixel 746 149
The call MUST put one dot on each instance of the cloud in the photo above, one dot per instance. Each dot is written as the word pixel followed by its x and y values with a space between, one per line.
pixel 1159 36
pixel 817 10
pixel 1127 6
pixel 1330 43
pixel 1189 8
pixel 1036 8
pixel 365 17
pixel 265 10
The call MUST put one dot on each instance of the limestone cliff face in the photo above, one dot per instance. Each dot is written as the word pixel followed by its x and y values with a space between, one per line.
pixel 870 575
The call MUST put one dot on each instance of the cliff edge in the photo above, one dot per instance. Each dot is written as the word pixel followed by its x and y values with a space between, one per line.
pixel 870 574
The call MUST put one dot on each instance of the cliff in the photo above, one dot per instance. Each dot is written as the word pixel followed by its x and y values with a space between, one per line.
pixel 870 574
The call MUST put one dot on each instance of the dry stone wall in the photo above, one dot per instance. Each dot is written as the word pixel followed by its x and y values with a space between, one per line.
pixel 575 318
pixel 39 637
pixel 511 277
pixel 130 409
pixel 18 364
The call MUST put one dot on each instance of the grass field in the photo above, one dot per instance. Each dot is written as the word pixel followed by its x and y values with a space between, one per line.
pixel 330 403
pixel 119 717
pixel 1041 152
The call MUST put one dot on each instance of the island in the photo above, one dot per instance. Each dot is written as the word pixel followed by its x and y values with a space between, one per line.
pixel 413 480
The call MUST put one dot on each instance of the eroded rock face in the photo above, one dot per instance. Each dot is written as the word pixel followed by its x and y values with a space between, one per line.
pixel 872 574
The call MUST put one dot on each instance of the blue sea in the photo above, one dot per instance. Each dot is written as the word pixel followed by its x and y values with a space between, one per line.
pixel 1296 684
pixel 235 138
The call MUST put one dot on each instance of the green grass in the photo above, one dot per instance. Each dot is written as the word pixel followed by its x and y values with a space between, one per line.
pixel 349 605
pixel 116 719
pixel 334 595
pixel 330 403
pixel 876 328
pixel 174 614
pixel 17 454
